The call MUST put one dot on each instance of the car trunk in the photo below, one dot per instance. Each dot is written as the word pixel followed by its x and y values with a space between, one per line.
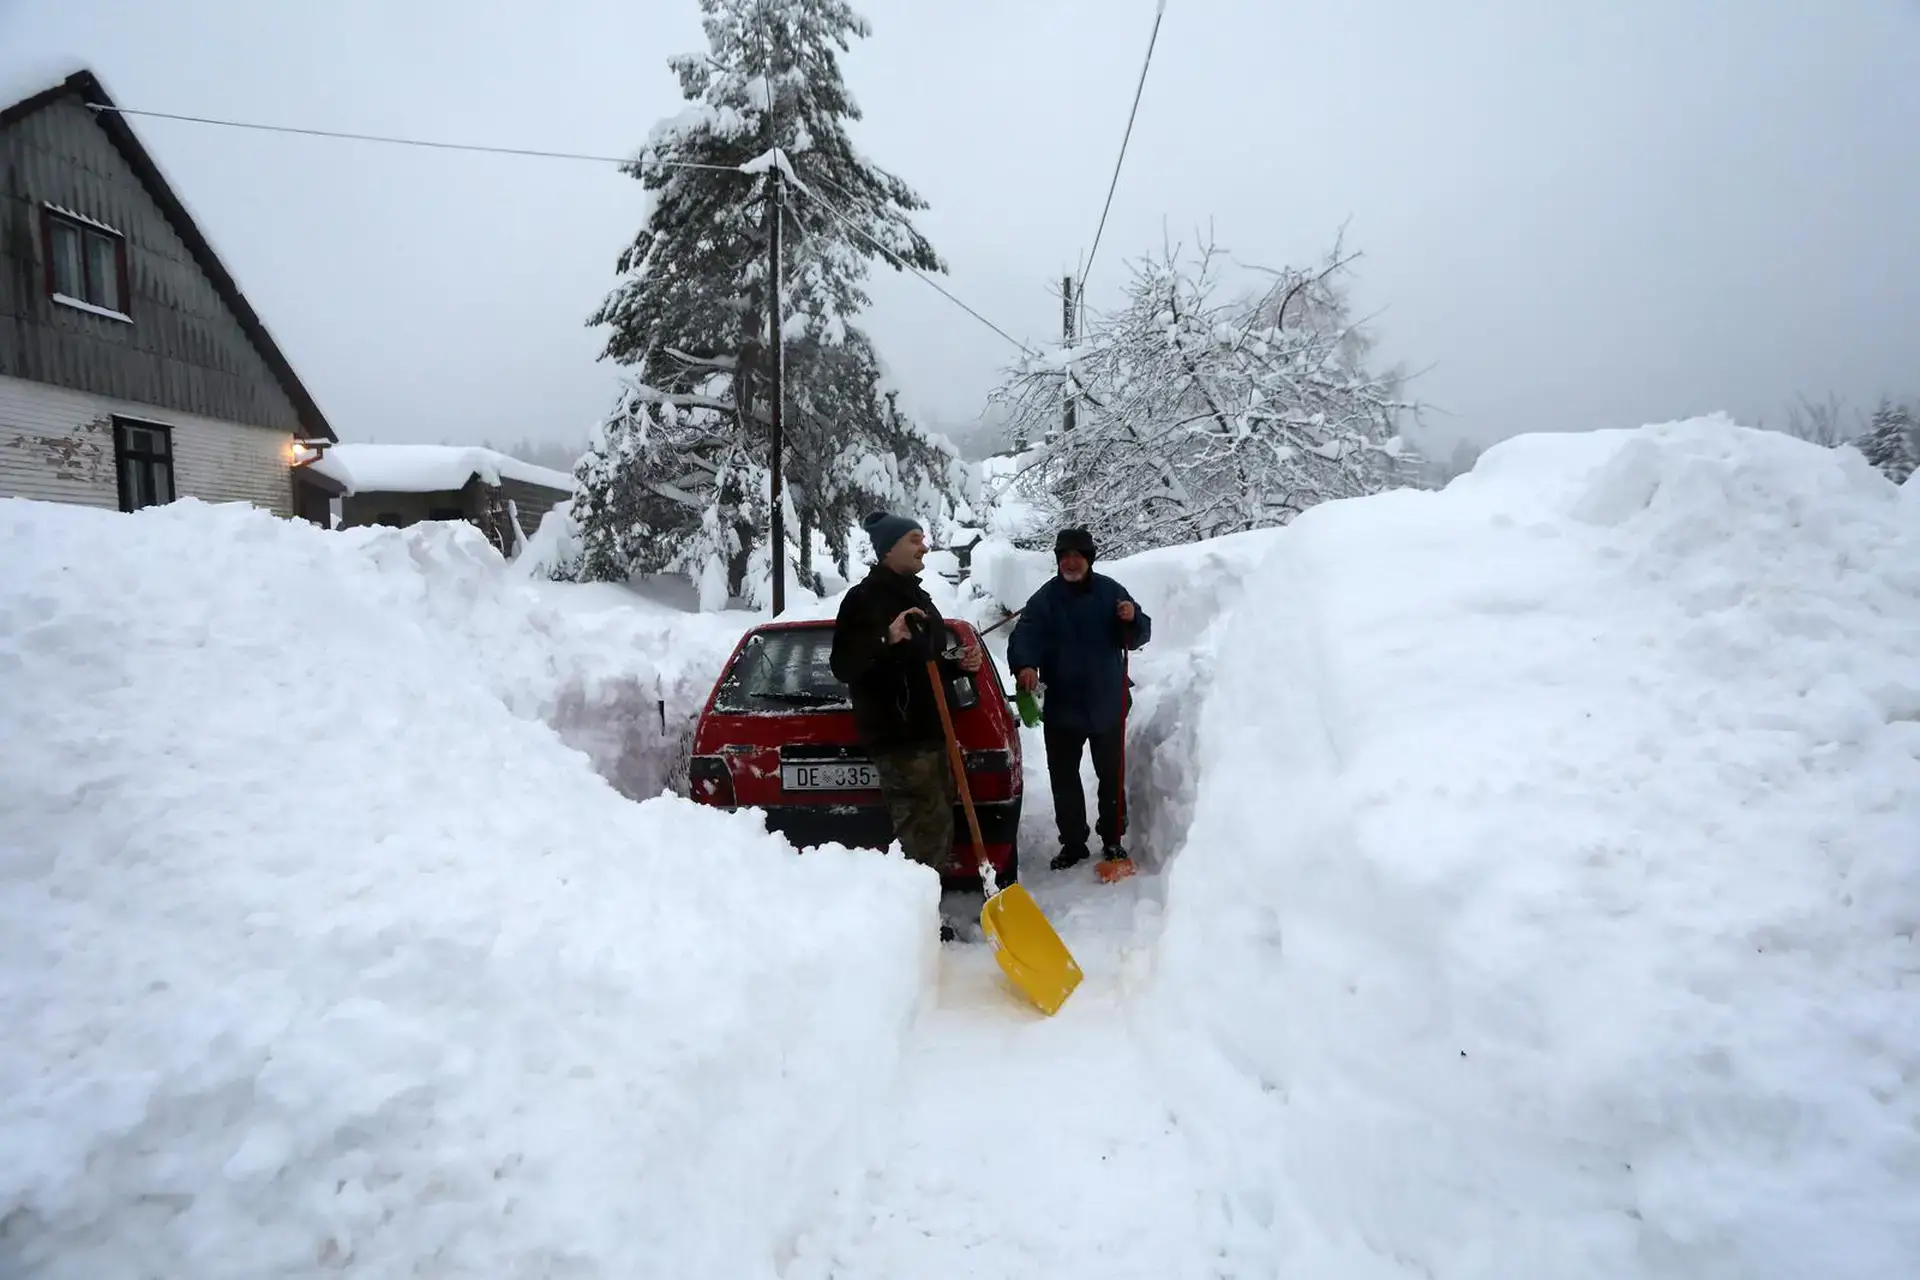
pixel 780 738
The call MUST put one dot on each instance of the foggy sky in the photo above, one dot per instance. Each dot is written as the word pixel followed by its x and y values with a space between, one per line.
pixel 1573 215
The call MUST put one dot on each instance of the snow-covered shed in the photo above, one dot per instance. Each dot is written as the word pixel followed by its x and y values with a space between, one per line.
pixel 403 484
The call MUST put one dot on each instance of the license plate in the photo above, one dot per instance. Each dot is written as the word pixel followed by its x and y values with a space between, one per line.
pixel 830 775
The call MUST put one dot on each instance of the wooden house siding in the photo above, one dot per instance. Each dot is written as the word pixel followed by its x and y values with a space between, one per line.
pixel 184 349
pixel 360 510
pixel 530 501
pixel 56 445
pixel 480 504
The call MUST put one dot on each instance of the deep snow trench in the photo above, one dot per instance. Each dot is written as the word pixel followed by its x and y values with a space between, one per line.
pixel 1014 1145
pixel 1528 889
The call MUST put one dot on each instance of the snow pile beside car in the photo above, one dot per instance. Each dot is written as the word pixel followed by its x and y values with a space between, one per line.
pixel 1550 901
pixel 319 952
pixel 616 677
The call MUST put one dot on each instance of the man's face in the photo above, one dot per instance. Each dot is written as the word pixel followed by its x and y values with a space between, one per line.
pixel 1073 566
pixel 909 554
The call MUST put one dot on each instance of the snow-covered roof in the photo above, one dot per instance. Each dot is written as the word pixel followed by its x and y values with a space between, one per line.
pixel 23 77
pixel 427 468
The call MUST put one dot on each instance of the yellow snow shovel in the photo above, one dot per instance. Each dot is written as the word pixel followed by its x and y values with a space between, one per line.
pixel 1029 951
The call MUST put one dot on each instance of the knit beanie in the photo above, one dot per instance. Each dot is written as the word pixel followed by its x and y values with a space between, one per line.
pixel 884 529
pixel 1073 540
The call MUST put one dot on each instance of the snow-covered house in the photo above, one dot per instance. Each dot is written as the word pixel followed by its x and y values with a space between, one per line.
pixel 132 370
pixel 401 484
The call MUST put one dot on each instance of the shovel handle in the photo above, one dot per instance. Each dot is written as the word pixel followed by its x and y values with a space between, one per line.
pixel 1126 709
pixel 958 763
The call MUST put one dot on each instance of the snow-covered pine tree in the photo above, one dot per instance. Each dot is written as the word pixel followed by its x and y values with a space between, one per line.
pixel 688 317
pixel 852 451
pixel 1200 415
pixel 1892 440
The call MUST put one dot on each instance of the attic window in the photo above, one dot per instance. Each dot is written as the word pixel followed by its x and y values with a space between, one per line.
pixel 86 263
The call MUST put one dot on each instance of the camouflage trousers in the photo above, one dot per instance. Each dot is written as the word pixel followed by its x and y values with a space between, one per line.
pixel 917 783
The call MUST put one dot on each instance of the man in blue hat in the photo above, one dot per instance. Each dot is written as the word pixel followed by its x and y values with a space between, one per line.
pixel 1074 635
pixel 886 631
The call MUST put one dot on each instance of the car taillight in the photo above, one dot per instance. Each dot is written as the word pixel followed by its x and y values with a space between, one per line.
pixel 990 775
pixel 710 781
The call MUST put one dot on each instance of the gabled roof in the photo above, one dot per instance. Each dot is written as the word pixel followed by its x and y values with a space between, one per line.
pixel 86 86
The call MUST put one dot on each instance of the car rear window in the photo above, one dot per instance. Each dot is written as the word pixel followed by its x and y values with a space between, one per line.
pixel 783 671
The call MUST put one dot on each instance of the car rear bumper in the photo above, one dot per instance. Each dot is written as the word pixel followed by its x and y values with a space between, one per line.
pixel 869 827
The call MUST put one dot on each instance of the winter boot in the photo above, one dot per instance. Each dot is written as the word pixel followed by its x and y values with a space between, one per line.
pixel 1114 864
pixel 1071 855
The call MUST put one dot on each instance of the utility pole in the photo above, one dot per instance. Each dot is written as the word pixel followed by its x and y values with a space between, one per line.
pixel 779 200
pixel 1066 335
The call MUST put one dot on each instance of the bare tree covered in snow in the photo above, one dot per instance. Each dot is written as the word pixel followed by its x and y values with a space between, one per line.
pixel 1823 424
pixel 1201 414
pixel 1458 463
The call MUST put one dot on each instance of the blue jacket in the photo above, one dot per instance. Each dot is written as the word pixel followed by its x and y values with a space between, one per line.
pixel 1074 636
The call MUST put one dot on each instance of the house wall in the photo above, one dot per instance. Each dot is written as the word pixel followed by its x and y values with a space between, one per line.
pixel 530 501
pixel 359 509
pixel 57 446
pixel 183 350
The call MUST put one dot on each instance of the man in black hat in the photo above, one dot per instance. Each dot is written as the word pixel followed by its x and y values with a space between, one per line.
pixel 886 631
pixel 1073 635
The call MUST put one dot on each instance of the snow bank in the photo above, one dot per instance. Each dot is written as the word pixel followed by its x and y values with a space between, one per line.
pixel 554 551
pixel 615 678
pixel 320 953
pixel 427 468
pixel 1549 905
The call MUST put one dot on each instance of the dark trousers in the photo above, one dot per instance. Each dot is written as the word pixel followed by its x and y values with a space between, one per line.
pixel 1064 747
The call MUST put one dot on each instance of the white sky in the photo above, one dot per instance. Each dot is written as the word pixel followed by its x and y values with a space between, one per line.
pixel 1580 215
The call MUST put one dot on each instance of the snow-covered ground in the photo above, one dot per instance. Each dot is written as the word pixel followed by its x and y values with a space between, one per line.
pixel 1528 889
pixel 1014 1145
pixel 321 953
pixel 1542 901
pixel 1549 905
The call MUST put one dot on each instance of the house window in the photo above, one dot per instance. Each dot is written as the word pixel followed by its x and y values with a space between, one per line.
pixel 143 455
pixel 86 263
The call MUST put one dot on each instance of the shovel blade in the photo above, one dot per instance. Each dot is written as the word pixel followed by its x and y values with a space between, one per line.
pixel 1029 952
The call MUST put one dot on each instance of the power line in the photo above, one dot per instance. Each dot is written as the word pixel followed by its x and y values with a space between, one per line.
pixel 570 155
pixel 410 142
pixel 898 261
pixel 1159 12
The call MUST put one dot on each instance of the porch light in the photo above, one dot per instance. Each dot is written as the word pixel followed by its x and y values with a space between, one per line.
pixel 301 452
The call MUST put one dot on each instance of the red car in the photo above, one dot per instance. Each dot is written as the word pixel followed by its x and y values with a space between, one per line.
pixel 777 735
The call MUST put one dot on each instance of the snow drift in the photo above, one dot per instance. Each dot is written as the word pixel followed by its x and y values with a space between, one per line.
pixel 320 952
pixel 1549 905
